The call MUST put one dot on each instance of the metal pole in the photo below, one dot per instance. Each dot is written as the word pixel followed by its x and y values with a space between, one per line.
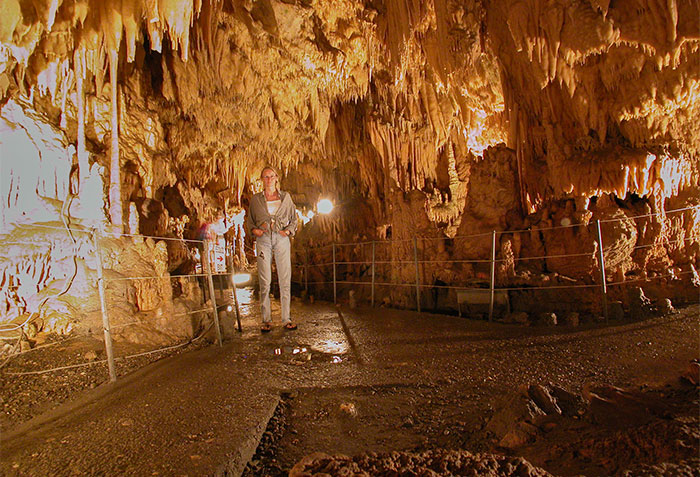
pixel 103 305
pixel 235 298
pixel 210 281
pixel 415 260
pixel 306 272
pixel 373 243
pixel 335 290
pixel 603 284
pixel 493 273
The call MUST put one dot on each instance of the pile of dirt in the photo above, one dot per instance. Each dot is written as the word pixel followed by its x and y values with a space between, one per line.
pixel 429 463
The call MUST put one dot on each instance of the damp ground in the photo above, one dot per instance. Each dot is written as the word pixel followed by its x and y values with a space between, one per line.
pixel 359 381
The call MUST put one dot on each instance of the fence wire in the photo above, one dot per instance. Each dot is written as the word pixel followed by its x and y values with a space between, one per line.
pixel 355 262
pixel 390 245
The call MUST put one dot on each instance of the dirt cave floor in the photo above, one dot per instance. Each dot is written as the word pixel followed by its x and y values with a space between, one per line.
pixel 645 424
pixel 391 392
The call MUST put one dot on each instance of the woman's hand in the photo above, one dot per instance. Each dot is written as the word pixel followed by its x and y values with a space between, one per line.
pixel 259 232
pixel 285 233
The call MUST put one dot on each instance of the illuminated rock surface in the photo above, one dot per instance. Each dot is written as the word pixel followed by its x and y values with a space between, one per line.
pixel 436 119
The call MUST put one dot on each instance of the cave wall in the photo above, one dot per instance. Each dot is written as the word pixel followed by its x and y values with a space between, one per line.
pixel 434 119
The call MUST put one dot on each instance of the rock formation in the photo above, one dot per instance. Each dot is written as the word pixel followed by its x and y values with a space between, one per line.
pixel 434 119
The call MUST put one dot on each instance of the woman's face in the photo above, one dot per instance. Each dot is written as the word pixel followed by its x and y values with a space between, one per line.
pixel 269 178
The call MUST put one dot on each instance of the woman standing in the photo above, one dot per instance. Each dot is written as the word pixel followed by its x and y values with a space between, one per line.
pixel 273 220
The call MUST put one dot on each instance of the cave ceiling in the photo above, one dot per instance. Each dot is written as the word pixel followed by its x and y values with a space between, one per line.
pixel 362 98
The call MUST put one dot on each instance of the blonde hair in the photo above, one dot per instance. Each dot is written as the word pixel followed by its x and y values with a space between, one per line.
pixel 269 168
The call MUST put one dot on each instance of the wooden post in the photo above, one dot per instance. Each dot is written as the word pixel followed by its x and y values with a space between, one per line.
pixel 373 243
pixel 103 305
pixel 603 284
pixel 335 291
pixel 212 295
pixel 415 261
pixel 493 273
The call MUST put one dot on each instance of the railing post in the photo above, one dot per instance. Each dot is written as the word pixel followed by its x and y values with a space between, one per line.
pixel 306 272
pixel 234 293
pixel 415 261
pixel 493 273
pixel 335 296
pixel 103 305
pixel 603 284
pixel 373 243
pixel 206 262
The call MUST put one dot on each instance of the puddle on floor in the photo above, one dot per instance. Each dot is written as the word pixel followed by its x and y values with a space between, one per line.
pixel 331 347
pixel 308 353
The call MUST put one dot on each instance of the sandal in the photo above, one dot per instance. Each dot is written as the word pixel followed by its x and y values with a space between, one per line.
pixel 265 328
pixel 290 326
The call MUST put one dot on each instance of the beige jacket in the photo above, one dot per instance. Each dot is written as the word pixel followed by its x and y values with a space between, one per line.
pixel 284 219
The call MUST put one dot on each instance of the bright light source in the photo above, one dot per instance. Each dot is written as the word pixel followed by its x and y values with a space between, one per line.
pixel 241 278
pixel 229 308
pixel 324 206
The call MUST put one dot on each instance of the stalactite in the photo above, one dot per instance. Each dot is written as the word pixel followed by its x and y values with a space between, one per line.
pixel 79 66
pixel 115 201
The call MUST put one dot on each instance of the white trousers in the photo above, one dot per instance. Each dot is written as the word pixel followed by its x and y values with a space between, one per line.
pixel 270 245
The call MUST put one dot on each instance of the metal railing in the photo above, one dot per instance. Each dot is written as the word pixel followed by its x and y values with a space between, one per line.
pixel 398 260
pixel 96 238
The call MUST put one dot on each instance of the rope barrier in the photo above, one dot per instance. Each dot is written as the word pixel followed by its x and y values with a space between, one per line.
pixel 48 345
pixel 174 239
pixel 390 242
pixel 542 229
pixel 550 287
pixel 667 242
pixel 118 279
pixel 648 279
pixel 53 227
pixel 20 242
pixel 168 348
pixel 652 215
pixel 548 256
pixel 485 234
pixel 61 368
pixel 91 363
pixel 412 285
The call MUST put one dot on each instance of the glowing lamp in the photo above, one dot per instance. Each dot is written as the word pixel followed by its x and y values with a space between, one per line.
pixel 229 308
pixel 324 206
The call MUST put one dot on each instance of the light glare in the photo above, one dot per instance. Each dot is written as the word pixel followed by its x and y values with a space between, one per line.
pixel 324 206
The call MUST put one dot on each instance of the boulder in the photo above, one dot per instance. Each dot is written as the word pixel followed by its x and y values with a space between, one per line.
pixel 665 307
pixel 640 305
pixel 547 319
